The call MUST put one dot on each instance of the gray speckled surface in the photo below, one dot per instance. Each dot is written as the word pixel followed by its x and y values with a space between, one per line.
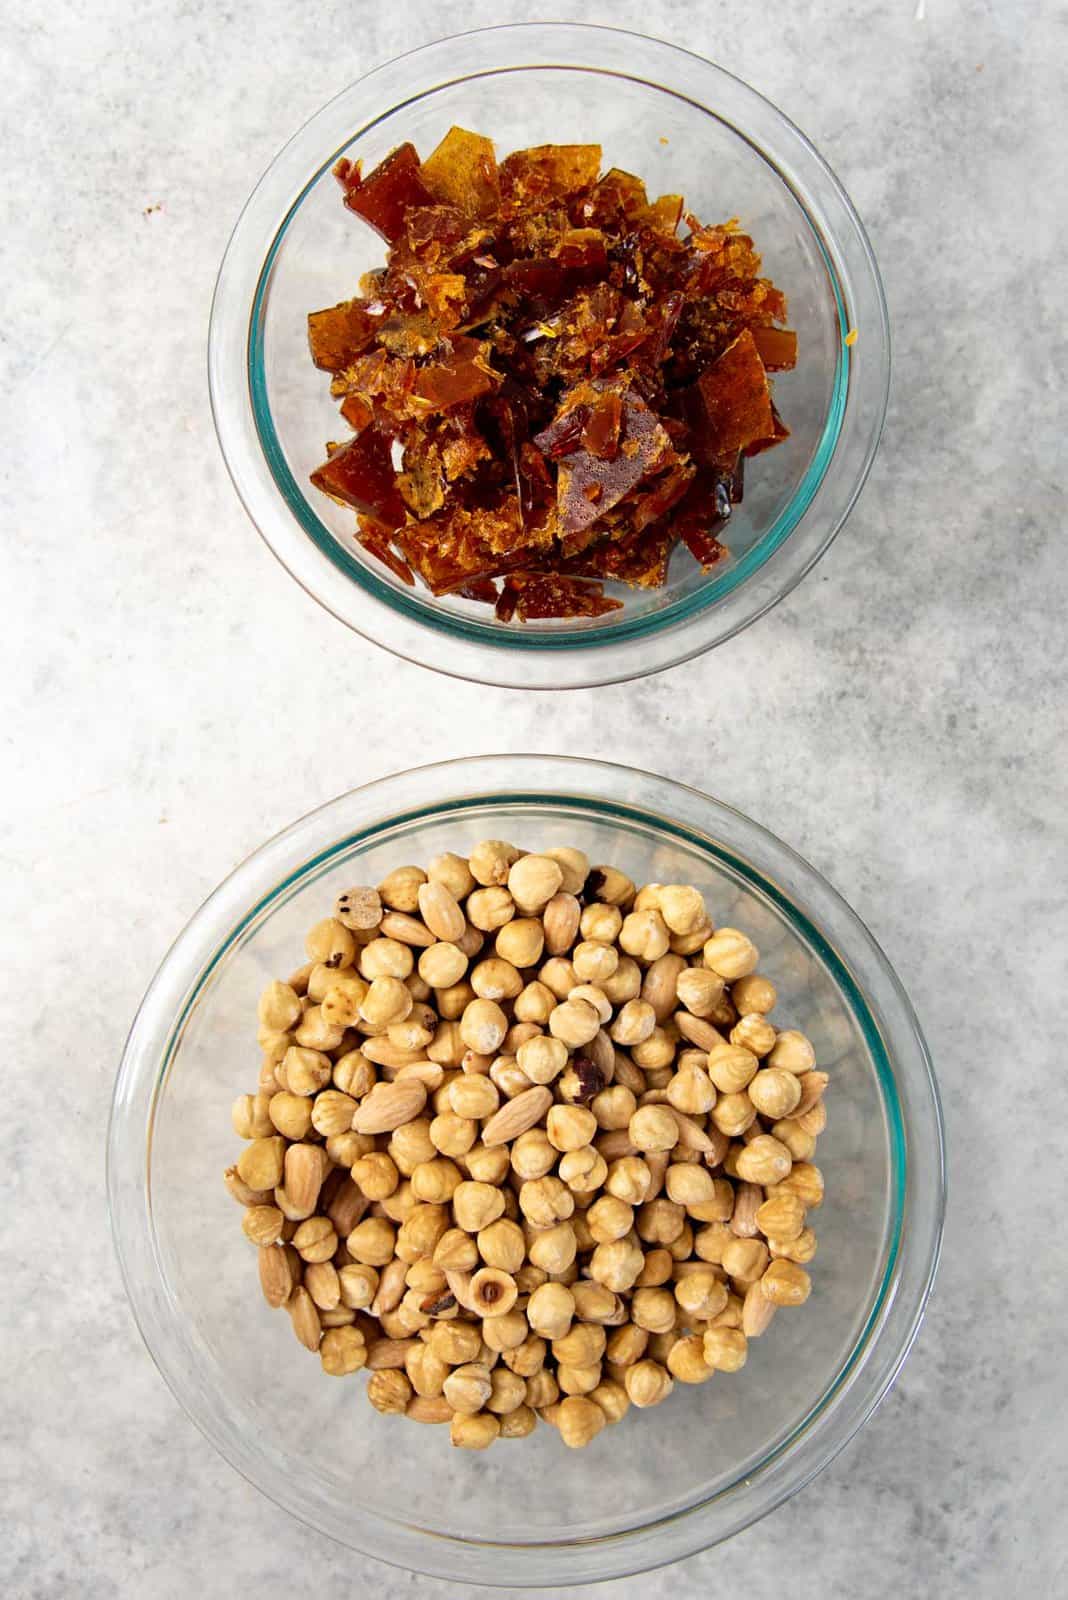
pixel 170 698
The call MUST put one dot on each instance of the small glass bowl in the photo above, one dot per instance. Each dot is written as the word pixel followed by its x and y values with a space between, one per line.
pixel 663 1483
pixel 685 126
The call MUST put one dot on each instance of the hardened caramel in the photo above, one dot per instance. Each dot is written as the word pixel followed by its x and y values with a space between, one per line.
pixel 550 385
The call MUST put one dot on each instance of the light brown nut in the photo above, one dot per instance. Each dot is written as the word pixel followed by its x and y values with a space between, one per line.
pixel 332 1112
pixel 806 1181
pixel 291 1114
pixel 475 1205
pixel 634 1024
pixel 730 954
pixel 453 871
pixel 490 861
pixel 400 928
pixel 653 1128
pixel 575 1023
pixel 517 1116
pixel 775 1093
pixel 748 1198
pixel 304 1316
pixel 682 908
pixel 647 1383
pixel 765 1161
pixel 725 1349
pixel 501 1244
pixel 781 1217
pixel 495 979
pixel 278 1275
pixel 786 1284
pixel 561 918
pixel 389 1390
pixel 279 1007
pixel 330 943
pixel 260 1163
pixel 660 983
pixel 304 1172
pixel 644 935
pixel 753 994
pixel 358 1285
pixel 521 942
pixel 250 1115
pixel 754 1032
pixel 574 864
pixel 359 909
pixel 389 1105
pixel 491 1292
pixel 793 1052
pixel 533 881
pixel 389 1354
pixel 441 912
pixel 699 990
pixel 617 1265
pixel 483 1026
pixel 429 1408
pixel 802 1249
pixel 731 1067
pixel 474 1432
pixel 468 1387
pixel 579 1421
pixel 323 1284
pixel 814 1120
pixel 348 1205
pixel 757 1311
pixel 570 1127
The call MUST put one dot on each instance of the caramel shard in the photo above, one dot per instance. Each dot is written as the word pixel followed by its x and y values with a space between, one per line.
pixel 338 335
pixel 361 474
pixel 644 445
pixel 462 172
pixel 776 347
pixel 550 169
pixel 540 595
pixel 386 196
pixel 735 399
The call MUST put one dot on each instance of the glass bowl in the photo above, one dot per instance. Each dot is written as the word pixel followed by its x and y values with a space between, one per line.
pixel 663 1483
pixel 683 125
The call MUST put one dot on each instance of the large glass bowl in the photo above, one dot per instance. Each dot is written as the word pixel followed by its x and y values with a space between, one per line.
pixel 686 127
pixel 663 1483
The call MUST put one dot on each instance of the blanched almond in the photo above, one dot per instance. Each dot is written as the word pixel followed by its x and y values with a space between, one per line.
pixel 389 1105
pixel 517 1115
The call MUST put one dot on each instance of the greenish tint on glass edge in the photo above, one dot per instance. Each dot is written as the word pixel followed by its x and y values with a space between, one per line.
pixel 808 932
pixel 484 633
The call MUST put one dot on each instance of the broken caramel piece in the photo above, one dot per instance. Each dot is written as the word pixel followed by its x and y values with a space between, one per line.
pixel 337 335
pixel 644 444
pixel 550 169
pixel 462 375
pixel 462 172
pixel 735 400
pixel 776 347
pixel 361 474
pixel 377 544
pixel 540 595
pixel 387 194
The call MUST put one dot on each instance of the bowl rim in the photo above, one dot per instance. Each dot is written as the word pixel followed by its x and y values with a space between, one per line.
pixel 462 784
pixel 409 623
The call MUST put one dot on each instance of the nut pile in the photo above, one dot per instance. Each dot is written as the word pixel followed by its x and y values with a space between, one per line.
pixel 526 1144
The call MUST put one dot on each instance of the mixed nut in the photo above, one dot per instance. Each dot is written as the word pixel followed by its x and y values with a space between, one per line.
pixel 526 1144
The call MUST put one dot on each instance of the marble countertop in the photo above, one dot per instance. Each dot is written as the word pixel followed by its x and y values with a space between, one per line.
pixel 170 698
